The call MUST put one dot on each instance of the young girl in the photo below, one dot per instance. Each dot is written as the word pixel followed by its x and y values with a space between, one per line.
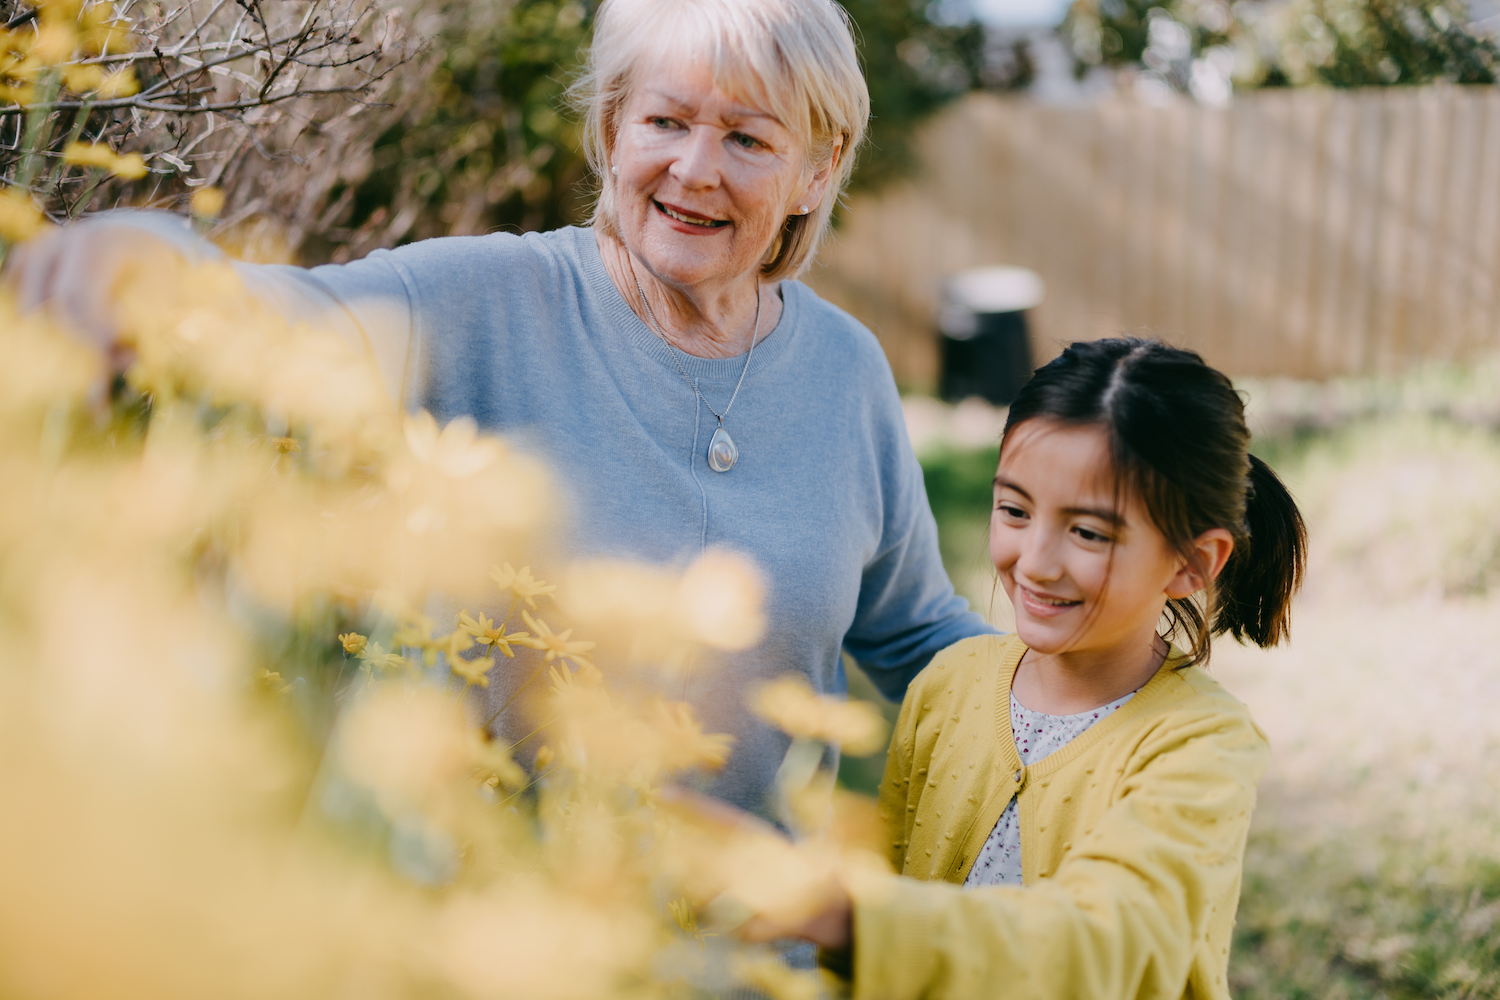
pixel 1083 787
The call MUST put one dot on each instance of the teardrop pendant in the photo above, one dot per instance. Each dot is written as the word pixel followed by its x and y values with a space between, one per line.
pixel 722 454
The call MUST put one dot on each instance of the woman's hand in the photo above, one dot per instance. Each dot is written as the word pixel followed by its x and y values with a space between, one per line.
pixel 74 272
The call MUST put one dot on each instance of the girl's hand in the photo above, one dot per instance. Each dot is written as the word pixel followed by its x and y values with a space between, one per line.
pixel 830 927
pixel 825 913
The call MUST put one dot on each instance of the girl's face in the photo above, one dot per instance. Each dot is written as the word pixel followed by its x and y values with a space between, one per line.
pixel 1085 576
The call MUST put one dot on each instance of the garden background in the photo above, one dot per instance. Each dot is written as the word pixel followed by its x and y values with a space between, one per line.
pixel 1308 191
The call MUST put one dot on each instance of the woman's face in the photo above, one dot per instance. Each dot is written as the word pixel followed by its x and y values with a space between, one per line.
pixel 704 181
pixel 1084 575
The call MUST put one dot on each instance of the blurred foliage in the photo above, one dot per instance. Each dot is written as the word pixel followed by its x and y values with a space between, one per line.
pixel 1378 42
pixel 490 146
pixel 208 108
pixel 225 759
pixel 1186 44
pixel 493 146
pixel 913 66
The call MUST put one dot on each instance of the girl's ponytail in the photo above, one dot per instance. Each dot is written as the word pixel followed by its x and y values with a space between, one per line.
pixel 1254 592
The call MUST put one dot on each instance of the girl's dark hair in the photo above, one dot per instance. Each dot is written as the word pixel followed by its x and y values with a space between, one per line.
pixel 1177 436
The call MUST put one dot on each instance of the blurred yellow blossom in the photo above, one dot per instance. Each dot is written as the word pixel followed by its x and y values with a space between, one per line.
pixel 521 584
pixel 456 450
pixel 394 842
pixel 657 616
pixel 449 645
pixel 131 166
pixel 473 671
pixel 555 645
pixel 93 79
pixel 376 658
pixel 207 202
pixel 272 680
pixel 686 742
pixel 20 219
pixel 406 745
pixel 791 705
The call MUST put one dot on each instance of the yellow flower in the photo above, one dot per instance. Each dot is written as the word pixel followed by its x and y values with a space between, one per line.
pixel 19 219
pixel 273 681
pixel 207 202
pixel 353 642
pixel 475 671
pixel 121 83
pixel 488 633
pixel 100 31
pixel 286 445
pixel 522 584
pixel 457 451
pixel 376 658
pixel 555 644
pixel 790 705
pixel 416 630
pixel 544 756
pixel 565 682
pixel 449 645
pixel 687 745
pixel 131 166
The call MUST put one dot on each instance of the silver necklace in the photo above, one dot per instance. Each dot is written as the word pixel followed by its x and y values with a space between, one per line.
pixel 722 452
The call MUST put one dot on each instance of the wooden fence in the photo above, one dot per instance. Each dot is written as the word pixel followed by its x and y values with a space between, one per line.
pixel 1306 233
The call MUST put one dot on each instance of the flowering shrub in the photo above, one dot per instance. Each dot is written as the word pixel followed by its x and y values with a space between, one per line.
pixel 237 758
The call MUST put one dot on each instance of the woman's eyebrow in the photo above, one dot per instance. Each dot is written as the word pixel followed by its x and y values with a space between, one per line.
pixel 733 113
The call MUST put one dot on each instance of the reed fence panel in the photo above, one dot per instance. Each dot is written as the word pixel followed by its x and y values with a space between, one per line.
pixel 1307 233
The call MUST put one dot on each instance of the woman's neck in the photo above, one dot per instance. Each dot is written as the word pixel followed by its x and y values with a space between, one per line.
pixel 1070 682
pixel 715 321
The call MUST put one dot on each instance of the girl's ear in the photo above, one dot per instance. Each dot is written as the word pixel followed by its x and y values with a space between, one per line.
pixel 1213 549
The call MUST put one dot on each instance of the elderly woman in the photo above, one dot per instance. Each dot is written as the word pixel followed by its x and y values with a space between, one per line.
pixel 688 391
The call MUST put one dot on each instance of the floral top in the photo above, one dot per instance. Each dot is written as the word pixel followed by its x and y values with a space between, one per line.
pixel 1037 735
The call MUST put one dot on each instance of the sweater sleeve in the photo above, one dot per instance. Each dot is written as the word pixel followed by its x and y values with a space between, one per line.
pixel 367 301
pixel 907 609
pixel 1123 915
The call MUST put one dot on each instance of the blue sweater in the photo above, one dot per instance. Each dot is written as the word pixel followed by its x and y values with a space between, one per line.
pixel 528 335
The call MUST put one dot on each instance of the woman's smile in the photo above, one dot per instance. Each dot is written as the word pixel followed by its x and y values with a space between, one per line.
pixel 689 218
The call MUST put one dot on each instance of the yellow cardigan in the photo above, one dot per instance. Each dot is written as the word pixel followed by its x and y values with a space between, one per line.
pixel 1132 843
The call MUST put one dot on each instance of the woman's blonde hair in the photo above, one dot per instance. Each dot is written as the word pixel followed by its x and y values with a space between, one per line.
pixel 795 58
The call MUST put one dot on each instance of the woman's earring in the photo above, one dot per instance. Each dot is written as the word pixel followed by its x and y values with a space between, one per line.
pixel 801 209
pixel 614 170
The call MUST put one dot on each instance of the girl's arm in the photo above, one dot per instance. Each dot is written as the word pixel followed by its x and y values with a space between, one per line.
pixel 1138 899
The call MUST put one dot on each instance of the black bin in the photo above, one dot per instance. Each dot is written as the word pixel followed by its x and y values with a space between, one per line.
pixel 984 342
